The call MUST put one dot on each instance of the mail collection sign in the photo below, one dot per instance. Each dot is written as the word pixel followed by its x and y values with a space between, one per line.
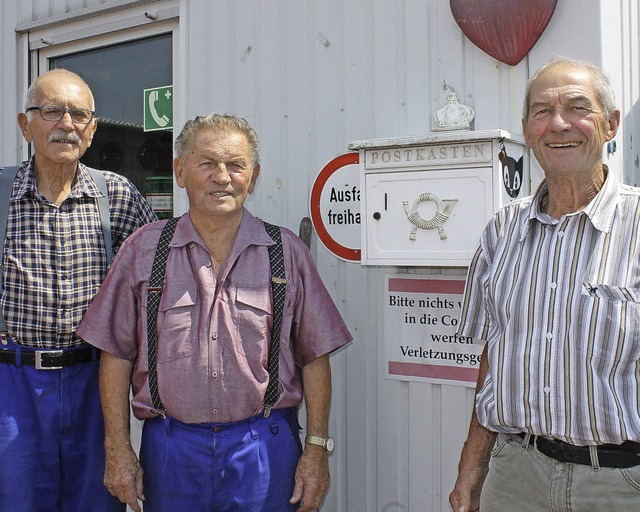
pixel 420 331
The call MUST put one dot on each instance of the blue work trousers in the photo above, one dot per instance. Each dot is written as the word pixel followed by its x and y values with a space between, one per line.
pixel 52 440
pixel 245 466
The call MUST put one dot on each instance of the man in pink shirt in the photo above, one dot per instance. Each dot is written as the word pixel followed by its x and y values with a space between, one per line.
pixel 212 440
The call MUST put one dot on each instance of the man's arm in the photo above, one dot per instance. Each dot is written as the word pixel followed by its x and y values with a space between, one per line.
pixel 312 473
pixel 123 474
pixel 474 460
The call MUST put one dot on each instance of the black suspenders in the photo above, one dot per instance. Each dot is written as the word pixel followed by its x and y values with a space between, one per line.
pixel 279 288
pixel 6 186
pixel 153 301
pixel 278 285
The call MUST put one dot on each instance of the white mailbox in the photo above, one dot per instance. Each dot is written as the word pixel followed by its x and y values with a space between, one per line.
pixel 427 198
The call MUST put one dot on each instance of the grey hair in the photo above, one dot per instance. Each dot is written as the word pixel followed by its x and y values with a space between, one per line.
pixel 601 84
pixel 217 122
pixel 31 96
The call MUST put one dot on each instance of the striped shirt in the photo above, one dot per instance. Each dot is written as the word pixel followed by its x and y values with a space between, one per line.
pixel 54 255
pixel 558 302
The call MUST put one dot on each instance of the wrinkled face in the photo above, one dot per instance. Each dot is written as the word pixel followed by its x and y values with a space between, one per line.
pixel 567 127
pixel 63 141
pixel 218 172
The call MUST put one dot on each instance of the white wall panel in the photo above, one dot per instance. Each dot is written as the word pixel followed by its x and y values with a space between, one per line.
pixel 417 62
pixel 11 56
pixel 312 76
pixel 632 110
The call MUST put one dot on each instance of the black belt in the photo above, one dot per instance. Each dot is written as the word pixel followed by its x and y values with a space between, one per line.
pixel 625 455
pixel 50 359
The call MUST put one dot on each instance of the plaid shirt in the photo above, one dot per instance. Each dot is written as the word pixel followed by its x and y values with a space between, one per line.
pixel 54 255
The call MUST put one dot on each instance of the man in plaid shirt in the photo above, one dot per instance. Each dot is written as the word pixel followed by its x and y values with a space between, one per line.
pixel 55 258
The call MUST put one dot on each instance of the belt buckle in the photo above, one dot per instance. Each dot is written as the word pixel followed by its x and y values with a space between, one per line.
pixel 40 353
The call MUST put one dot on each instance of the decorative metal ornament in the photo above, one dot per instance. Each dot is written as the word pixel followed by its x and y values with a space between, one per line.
pixel 443 209
pixel 505 29
pixel 454 115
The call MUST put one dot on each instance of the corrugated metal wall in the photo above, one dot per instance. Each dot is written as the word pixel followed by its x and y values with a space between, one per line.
pixel 312 76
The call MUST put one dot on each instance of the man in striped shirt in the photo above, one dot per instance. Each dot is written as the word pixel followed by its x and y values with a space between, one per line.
pixel 554 289
pixel 55 257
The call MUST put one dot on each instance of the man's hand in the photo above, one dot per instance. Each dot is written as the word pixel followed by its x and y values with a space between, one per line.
pixel 312 472
pixel 312 479
pixel 474 460
pixel 465 496
pixel 122 474
pixel 123 477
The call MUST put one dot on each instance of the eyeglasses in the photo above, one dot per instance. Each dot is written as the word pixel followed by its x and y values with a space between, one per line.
pixel 55 113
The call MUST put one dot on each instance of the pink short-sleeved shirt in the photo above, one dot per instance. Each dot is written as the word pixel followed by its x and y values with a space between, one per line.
pixel 213 327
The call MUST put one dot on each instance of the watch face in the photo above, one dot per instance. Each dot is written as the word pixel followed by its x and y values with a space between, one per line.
pixel 330 444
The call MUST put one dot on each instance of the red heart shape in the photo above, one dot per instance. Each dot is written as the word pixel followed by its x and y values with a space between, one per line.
pixel 505 29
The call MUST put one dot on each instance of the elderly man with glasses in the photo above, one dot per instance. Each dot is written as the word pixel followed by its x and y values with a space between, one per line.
pixel 60 224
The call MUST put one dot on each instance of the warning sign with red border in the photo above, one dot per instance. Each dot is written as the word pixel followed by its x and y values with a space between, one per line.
pixel 335 206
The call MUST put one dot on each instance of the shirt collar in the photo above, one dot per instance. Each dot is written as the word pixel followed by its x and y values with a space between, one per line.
pixel 84 184
pixel 26 182
pixel 250 232
pixel 600 209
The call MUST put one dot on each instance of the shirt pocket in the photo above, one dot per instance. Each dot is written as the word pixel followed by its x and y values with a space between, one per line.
pixel 176 317
pixel 609 333
pixel 253 322
pixel 611 292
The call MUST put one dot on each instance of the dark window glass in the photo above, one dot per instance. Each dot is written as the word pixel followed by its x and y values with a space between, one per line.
pixel 118 75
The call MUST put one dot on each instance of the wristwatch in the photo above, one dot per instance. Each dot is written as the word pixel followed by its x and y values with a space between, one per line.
pixel 325 442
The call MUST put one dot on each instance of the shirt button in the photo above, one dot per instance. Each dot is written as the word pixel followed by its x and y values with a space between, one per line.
pixel 214 374
pixel 549 336
pixel 214 336
pixel 192 245
pixel 208 264
pixel 554 286
pixel 547 390
pixel 560 234
pixel 215 411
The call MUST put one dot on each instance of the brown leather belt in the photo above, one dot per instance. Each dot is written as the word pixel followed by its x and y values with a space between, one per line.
pixel 50 359
pixel 625 455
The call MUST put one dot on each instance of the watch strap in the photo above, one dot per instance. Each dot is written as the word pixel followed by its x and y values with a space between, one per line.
pixel 319 441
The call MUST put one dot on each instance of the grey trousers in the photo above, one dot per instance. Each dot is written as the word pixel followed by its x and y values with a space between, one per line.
pixel 521 479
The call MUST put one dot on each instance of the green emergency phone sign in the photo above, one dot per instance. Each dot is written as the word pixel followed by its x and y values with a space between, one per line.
pixel 158 108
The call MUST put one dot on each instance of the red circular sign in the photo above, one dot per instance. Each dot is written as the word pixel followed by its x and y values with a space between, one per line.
pixel 330 243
